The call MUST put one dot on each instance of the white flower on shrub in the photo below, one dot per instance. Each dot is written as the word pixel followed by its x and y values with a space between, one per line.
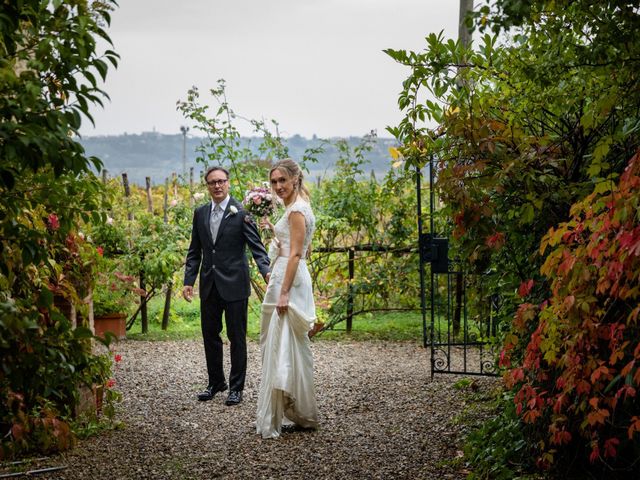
pixel 198 196
pixel 109 220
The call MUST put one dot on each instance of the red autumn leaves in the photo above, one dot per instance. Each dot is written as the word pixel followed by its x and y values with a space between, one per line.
pixel 579 374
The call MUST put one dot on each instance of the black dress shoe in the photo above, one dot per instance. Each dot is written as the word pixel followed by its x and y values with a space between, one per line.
pixel 294 427
pixel 234 398
pixel 289 428
pixel 211 391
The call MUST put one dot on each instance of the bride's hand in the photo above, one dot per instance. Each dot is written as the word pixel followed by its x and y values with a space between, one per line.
pixel 266 224
pixel 283 303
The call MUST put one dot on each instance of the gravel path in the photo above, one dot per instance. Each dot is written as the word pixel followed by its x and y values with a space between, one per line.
pixel 381 417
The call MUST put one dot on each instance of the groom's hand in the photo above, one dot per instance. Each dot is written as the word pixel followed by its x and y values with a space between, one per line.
pixel 187 292
pixel 267 277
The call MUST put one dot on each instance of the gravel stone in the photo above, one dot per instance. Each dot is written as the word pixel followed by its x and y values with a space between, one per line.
pixel 381 417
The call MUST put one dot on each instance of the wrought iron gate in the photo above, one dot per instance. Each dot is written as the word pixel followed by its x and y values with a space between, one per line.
pixel 459 318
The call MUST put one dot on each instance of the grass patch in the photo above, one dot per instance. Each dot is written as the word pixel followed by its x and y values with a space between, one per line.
pixel 184 324
pixel 387 326
pixel 184 321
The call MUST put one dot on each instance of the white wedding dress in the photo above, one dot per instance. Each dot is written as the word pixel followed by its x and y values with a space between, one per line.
pixel 287 393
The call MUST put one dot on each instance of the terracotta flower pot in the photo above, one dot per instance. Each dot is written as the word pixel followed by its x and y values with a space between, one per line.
pixel 115 323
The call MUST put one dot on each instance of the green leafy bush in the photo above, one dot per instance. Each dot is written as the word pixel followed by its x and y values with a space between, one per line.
pixel 507 454
pixel 578 384
pixel 530 122
pixel 48 78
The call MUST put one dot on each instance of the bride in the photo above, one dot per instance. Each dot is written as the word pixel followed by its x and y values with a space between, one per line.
pixel 287 393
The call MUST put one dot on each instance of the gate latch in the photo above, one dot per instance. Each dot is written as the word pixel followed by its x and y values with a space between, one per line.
pixel 435 250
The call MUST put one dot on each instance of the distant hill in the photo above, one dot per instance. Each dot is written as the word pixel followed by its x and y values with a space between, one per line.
pixel 159 155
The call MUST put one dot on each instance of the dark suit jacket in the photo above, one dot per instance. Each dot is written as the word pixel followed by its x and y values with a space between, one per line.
pixel 225 260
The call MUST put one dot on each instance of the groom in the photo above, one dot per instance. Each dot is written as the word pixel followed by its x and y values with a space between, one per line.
pixel 221 232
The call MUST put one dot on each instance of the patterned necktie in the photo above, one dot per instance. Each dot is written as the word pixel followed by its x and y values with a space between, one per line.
pixel 216 216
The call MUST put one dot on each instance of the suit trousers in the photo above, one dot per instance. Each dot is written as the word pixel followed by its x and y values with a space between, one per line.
pixel 235 315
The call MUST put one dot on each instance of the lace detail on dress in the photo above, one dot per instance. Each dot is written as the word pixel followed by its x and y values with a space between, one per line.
pixel 282 226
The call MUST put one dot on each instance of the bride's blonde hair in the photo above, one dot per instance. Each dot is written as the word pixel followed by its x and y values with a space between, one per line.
pixel 294 171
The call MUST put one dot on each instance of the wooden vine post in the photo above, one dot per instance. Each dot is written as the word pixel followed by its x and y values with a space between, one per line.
pixel 127 194
pixel 144 317
pixel 167 298
pixel 149 197
pixel 350 299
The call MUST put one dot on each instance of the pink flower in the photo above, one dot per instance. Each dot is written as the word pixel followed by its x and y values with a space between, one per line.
pixel 123 278
pixel 139 291
pixel 100 251
pixel 53 222
pixel 111 383
pixel 117 357
pixel 174 202
pixel 259 202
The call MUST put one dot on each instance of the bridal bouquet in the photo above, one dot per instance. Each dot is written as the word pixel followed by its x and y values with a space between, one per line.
pixel 259 201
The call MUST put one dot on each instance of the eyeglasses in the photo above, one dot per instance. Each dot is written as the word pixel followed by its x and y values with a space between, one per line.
pixel 217 183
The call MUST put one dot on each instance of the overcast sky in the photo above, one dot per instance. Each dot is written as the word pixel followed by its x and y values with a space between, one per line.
pixel 315 66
